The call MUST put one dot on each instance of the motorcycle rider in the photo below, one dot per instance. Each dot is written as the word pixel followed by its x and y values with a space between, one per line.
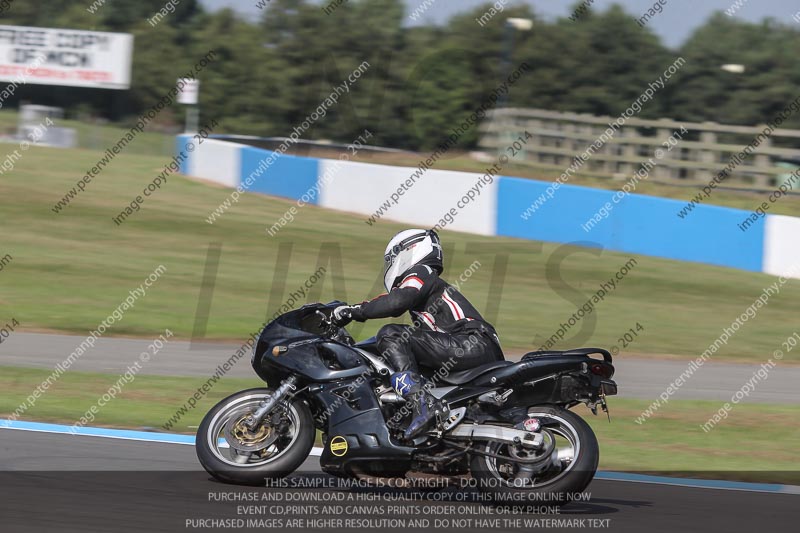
pixel 446 328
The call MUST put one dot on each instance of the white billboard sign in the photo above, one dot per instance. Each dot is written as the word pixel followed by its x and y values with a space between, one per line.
pixel 75 58
pixel 188 91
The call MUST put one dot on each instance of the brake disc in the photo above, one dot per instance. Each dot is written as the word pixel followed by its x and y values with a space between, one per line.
pixel 242 439
pixel 533 460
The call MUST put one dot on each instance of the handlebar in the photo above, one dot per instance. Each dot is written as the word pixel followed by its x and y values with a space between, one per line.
pixel 332 329
pixel 325 319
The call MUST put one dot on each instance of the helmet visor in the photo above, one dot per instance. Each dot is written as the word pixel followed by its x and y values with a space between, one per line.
pixel 388 259
pixel 391 256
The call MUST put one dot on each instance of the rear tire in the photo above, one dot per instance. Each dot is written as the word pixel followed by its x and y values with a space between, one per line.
pixel 555 487
pixel 221 461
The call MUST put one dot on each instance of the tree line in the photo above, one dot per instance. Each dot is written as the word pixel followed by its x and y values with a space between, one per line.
pixel 272 69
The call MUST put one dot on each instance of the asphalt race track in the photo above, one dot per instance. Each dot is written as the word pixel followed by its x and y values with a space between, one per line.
pixel 142 482
pixel 638 378
pixel 73 483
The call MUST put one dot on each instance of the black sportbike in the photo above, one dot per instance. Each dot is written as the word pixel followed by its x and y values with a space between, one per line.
pixel 506 424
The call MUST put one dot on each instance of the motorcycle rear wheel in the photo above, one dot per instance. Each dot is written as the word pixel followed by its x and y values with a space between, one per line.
pixel 571 469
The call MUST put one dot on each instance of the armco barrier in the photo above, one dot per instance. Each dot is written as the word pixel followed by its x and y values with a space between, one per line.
pixel 638 224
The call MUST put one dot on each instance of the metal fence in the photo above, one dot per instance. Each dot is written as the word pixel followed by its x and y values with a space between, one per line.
pixel 558 138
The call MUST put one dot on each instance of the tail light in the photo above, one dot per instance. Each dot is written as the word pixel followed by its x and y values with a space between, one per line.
pixel 602 369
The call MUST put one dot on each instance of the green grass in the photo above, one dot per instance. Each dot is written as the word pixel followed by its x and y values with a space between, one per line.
pixel 750 444
pixel 148 402
pixel 71 270
pixel 102 134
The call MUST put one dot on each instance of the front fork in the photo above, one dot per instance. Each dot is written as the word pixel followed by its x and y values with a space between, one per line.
pixel 254 420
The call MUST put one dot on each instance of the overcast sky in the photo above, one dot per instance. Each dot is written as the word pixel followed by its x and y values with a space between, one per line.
pixel 678 19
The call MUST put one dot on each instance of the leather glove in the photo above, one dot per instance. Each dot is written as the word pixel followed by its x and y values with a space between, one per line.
pixel 344 314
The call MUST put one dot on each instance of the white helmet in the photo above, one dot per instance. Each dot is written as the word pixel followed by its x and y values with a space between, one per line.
pixel 407 249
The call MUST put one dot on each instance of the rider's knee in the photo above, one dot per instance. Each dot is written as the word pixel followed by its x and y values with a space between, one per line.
pixel 391 333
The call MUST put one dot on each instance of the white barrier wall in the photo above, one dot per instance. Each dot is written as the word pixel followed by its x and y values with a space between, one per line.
pixel 643 224
pixel 782 246
pixel 364 187
pixel 217 161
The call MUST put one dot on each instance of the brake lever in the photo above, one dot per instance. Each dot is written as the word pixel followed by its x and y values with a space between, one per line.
pixel 329 324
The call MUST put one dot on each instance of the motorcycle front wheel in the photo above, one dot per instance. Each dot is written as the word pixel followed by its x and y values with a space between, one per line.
pixel 233 453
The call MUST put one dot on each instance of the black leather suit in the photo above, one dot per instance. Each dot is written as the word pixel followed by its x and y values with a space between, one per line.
pixel 446 329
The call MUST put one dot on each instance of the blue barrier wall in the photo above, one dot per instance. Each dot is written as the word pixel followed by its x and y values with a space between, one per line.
pixel 288 176
pixel 637 224
pixel 180 148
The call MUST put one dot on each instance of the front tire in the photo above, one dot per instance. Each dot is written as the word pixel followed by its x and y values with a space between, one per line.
pixel 274 450
pixel 571 468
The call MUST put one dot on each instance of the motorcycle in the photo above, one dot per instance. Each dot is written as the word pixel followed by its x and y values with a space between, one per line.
pixel 507 424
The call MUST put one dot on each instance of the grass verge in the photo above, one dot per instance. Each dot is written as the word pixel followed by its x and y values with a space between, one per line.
pixel 69 271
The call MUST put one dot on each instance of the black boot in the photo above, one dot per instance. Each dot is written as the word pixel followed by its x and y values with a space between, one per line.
pixel 423 408
pixel 409 386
